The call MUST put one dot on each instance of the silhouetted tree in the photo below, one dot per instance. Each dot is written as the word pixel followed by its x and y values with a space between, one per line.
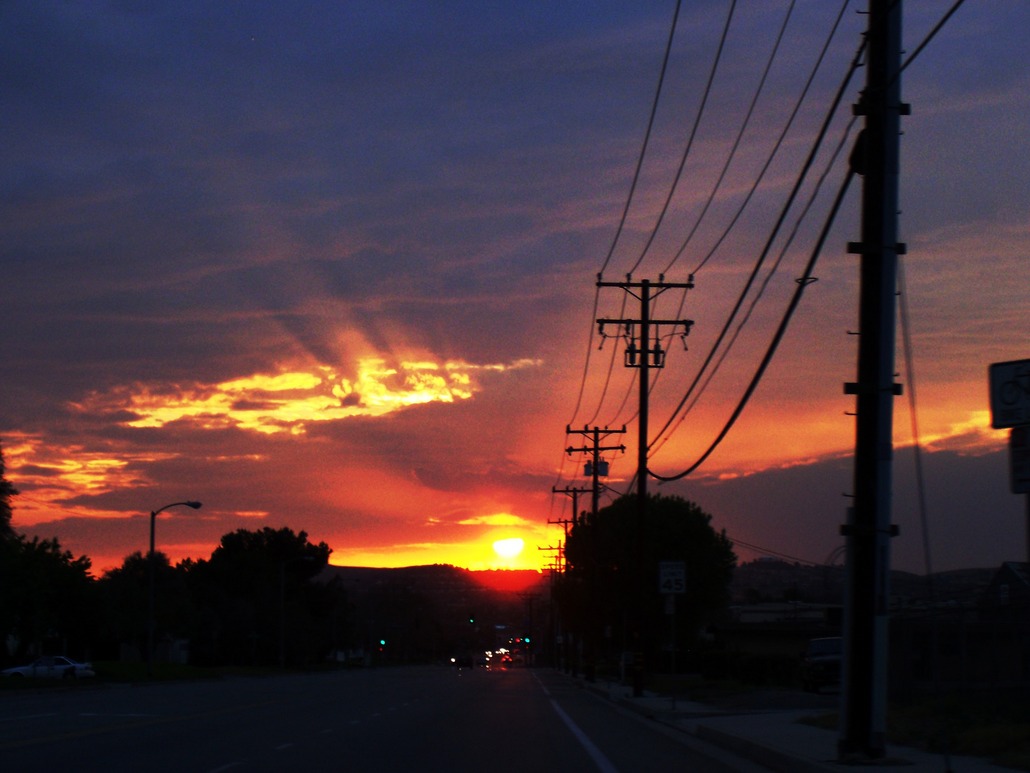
pixel 613 570
pixel 7 491
pixel 125 617
pixel 257 602
pixel 46 602
pixel 125 610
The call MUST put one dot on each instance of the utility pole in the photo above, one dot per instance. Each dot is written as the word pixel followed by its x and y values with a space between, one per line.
pixel 559 550
pixel 644 353
pixel 574 493
pixel 597 468
pixel 868 531
pixel 565 523
pixel 556 638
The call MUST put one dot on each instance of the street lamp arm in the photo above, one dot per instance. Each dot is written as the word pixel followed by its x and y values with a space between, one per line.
pixel 190 503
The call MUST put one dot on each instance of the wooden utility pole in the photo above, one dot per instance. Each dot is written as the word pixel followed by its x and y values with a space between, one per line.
pixel 868 531
pixel 643 351
pixel 597 468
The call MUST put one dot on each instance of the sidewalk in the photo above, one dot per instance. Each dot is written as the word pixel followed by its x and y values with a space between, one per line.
pixel 773 738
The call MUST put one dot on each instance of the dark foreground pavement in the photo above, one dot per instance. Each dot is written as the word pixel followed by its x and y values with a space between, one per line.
pixel 772 735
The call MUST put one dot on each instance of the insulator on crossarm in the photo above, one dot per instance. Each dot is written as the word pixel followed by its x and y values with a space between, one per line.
pixel 631 354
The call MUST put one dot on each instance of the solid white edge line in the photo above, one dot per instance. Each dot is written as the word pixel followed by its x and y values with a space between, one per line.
pixel 602 762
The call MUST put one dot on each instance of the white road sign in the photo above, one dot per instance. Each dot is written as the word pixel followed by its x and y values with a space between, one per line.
pixel 672 576
pixel 1019 460
pixel 1010 393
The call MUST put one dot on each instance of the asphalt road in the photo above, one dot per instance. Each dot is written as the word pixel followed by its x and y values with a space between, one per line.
pixel 382 720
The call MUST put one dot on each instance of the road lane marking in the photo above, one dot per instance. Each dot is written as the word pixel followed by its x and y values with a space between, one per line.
pixel 603 763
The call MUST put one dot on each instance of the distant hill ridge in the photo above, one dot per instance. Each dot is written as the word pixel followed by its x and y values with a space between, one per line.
pixel 775 580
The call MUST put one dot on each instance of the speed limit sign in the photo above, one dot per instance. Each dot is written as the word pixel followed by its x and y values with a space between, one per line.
pixel 672 577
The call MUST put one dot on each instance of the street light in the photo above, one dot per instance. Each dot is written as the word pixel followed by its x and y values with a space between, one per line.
pixel 150 562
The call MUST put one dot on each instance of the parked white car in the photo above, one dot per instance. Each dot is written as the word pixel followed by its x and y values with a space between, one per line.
pixel 51 667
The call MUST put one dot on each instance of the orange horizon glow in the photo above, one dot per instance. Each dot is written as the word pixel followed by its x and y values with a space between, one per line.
pixel 51 476
pixel 477 555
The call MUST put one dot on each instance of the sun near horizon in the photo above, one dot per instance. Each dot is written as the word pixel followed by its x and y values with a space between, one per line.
pixel 498 549
pixel 509 548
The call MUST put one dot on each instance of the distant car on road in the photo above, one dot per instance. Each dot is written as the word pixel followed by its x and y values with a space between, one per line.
pixel 51 667
pixel 820 663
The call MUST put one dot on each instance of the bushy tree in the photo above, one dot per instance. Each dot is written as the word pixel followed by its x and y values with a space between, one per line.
pixel 123 626
pixel 47 600
pixel 125 606
pixel 609 592
pixel 7 491
pixel 257 602
pixel 46 593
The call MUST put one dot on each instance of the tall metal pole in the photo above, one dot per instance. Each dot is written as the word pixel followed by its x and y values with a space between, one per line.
pixel 150 598
pixel 864 693
pixel 151 624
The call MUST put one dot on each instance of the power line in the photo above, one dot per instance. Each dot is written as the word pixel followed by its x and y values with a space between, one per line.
pixel 906 339
pixel 771 552
pixel 622 221
pixel 768 245
pixel 690 139
pixel 761 291
pixel 608 375
pixel 736 142
pixel 783 134
pixel 768 162
pixel 650 126
pixel 647 137
pixel 930 36
pixel 803 282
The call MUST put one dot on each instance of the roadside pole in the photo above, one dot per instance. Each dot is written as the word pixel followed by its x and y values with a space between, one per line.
pixel 868 531
pixel 1009 384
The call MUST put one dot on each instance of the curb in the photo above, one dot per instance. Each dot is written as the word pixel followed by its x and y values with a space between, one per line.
pixel 766 756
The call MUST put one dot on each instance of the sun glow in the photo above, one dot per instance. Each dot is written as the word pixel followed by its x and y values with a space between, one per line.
pixel 509 548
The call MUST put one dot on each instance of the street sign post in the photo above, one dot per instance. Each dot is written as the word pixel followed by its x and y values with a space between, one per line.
pixel 1010 408
pixel 672 577
pixel 1019 459
pixel 1010 393
pixel 672 581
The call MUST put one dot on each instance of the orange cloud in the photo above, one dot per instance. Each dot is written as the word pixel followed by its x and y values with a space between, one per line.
pixel 48 475
pixel 286 401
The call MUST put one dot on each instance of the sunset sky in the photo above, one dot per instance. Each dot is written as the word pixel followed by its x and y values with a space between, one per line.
pixel 332 266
